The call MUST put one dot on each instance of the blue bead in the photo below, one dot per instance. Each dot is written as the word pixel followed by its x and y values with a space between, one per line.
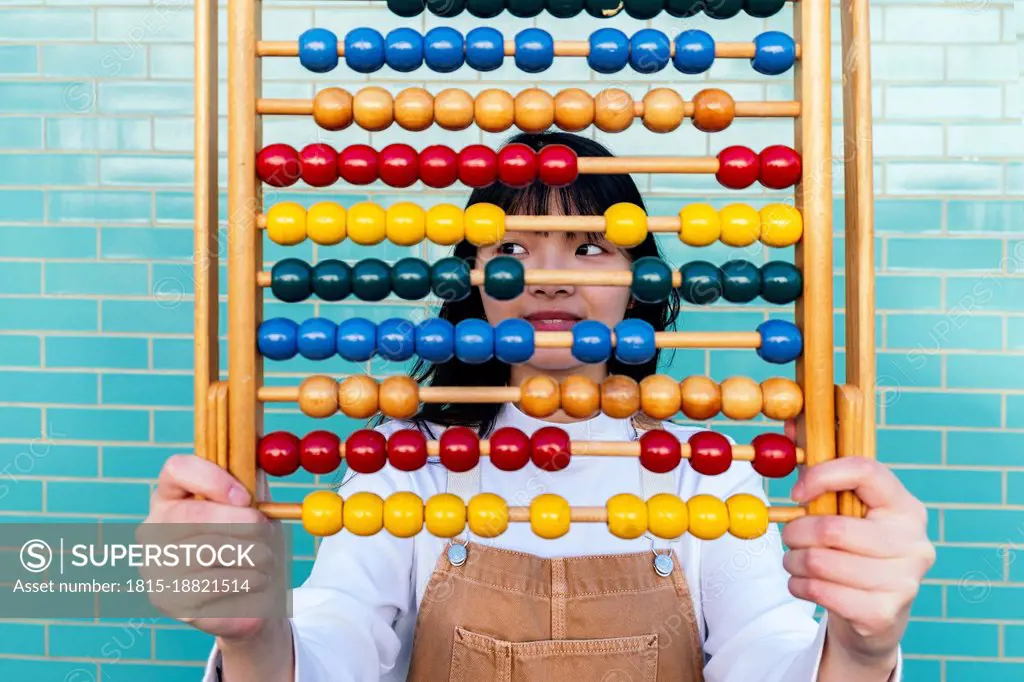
pixel 435 340
pixel 318 50
pixel 396 339
pixel 403 50
pixel 485 49
pixel 317 338
pixel 444 50
pixel 774 53
pixel 695 52
pixel 277 338
pixel 474 341
pixel 357 339
pixel 781 342
pixel 364 50
pixel 513 340
pixel 634 342
pixel 609 50
pixel 591 341
pixel 535 50
pixel 649 51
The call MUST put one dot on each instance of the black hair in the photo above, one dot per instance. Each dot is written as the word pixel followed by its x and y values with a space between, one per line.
pixel 587 195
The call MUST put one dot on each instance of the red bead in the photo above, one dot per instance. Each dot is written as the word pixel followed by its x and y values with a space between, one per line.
pixel 774 455
pixel 366 451
pixel 478 166
pixel 517 165
pixel 510 449
pixel 439 166
pixel 780 167
pixel 321 452
pixel 357 164
pixel 460 448
pixel 407 450
pixel 558 166
pixel 278 165
pixel 399 166
pixel 319 165
pixel 550 448
pixel 738 167
pixel 710 453
pixel 660 451
pixel 278 453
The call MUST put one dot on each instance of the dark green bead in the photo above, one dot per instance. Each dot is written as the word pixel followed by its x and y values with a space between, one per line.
pixel 684 8
pixel 702 283
pixel 781 282
pixel 332 280
pixel 371 280
pixel 564 9
pixel 289 280
pixel 446 8
pixel 741 281
pixel 407 8
pixel 504 278
pixel 449 279
pixel 485 9
pixel 525 9
pixel 762 9
pixel 644 9
pixel 723 9
pixel 410 279
pixel 603 9
pixel 652 280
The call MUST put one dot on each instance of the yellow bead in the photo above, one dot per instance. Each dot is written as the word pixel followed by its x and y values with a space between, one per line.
pixel 322 513
pixel 748 516
pixel 325 223
pixel 364 514
pixel 445 224
pixel 488 515
pixel 667 516
pixel 367 223
pixel 406 223
pixel 286 223
pixel 699 225
pixel 446 515
pixel 741 225
pixel 549 516
pixel 781 225
pixel 625 224
pixel 485 224
pixel 403 514
pixel 627 516
pixel 709 517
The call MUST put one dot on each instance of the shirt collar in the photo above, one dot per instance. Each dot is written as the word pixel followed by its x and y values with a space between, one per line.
pixel 598 427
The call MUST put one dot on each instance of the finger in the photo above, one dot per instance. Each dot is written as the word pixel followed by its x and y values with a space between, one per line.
pixel 872 481
pixel 870 612
pixel 864 537
pixel 789 429
pixel 187 475
pixel 851 570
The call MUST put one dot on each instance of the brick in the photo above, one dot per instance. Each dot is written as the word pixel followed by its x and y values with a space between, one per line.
pixel 145 98
pixel 967 101
pixel 951 639
pixel 147 243
pixel 994 448
pixel 182 644
pixel 964 215
pixel 981 565
pixel 46 25
pixel 988 292
pixel 48 387
pixel 984 525
pixel 906 292
pixel 944 409
pixel 943 177
pixel 126 672
pixel 946 485
pixel 173 426
pixel 135 461
pixel 51 314
pixel 98 642
pixel 990 371
pixel 99 424
pixel 21 278
pixel 36 669
pixel 47 97
pixel 99 497
pixel 94 206
pixel 22 639
pixel 150 317
pixel 943 254
pixel 108 352
pixel 146 171
pixel 909 446
pixel 115 134
pixel 43 457
pixel 20 494
pixel 48 169
pixel 124 279
pixel 147 389
pixel 18 60
pixel 21 132
pixel 945 25
pixel 20 351
pixel 93 61
pixel 37 241
pixel 990 671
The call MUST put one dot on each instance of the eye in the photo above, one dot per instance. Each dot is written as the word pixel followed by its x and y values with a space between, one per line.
pixel 590 249
pixel 510 249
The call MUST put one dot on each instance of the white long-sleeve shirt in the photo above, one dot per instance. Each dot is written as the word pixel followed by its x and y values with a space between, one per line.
pixel 354 617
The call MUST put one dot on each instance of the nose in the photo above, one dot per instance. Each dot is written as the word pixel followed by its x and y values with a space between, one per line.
pixel 554 255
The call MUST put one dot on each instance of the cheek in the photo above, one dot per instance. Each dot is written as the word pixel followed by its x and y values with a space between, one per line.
pixel 495 311
pixel 606 304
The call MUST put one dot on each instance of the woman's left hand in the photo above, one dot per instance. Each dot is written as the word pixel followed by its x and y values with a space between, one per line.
pixel 865 571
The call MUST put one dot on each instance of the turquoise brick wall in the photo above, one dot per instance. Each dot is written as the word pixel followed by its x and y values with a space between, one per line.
pixel 95 301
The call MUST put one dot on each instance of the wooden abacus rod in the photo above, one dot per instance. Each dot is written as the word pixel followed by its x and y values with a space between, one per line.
pixel 552 223
pixel 583 278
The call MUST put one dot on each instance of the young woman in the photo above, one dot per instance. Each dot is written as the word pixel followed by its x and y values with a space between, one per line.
pixel 588 606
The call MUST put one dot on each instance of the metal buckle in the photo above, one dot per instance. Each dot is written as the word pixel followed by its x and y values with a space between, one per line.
pixel 458 552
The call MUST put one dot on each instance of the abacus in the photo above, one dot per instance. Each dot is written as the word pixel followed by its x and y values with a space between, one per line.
pixel 832 420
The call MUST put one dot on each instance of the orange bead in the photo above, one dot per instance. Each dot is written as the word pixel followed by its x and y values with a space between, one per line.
pixel 659 396
pixel 373 108
pixel 414 109
pixel 318 396
pixel 453 109
pixel 494 110
pixel 613 110
pixel 713 110
pixel 620 396
pixel 357 396
pixel 702 398
pixel 581 396
pixel 534 110
pixel 399 397
pixel 741 398
pixel 574 109
pixel 332 109
pixel 783 398
pixel 663 110
pixel 539 396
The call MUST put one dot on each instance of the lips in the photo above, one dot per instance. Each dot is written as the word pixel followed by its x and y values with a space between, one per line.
pixel 552 320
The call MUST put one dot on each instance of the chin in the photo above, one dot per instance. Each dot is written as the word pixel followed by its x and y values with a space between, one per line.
pixel 553 360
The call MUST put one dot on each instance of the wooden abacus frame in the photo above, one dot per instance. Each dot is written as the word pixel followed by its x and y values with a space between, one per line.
pixel 229 413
